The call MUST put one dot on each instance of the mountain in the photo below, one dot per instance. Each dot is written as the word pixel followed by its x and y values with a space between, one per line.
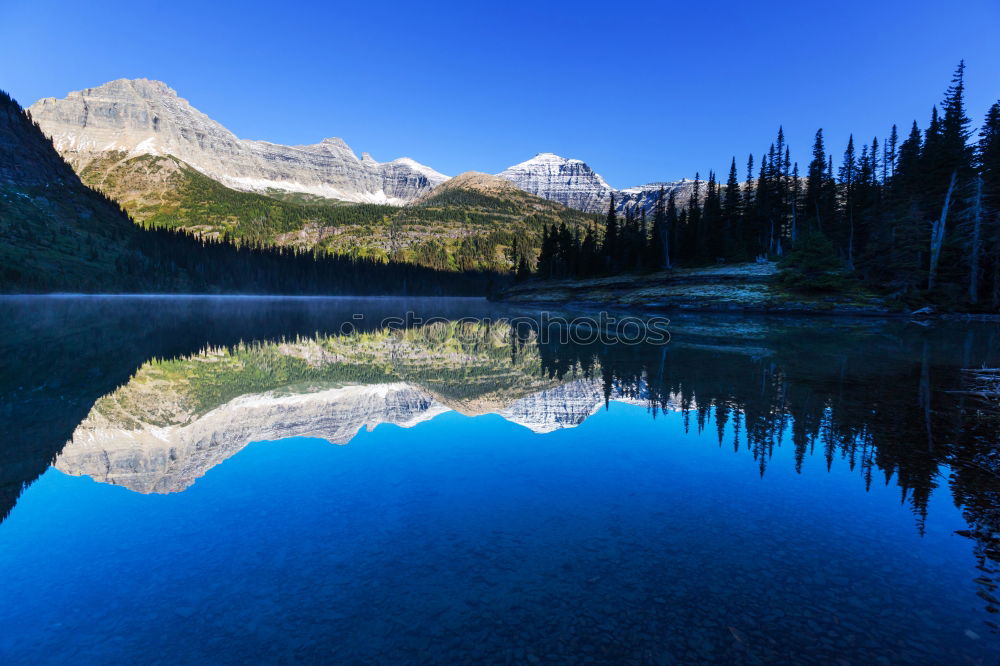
pixel 570 182
pixel 573 183
pixel 171 166
pixel 471 221
pixel 164 191
pixel 144 117
pixel 474 221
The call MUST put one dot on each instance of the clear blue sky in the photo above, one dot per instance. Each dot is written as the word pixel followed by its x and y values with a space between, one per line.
pixel 641 91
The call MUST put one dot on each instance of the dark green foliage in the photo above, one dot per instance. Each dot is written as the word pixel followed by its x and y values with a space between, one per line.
pixel 466 198
pixel 609 248
pixel 813 266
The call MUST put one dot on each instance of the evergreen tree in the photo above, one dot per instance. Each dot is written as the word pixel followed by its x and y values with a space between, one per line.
pixel 815 204
pixel 659 242
pixel 590 256
pixel 889 163
pixel 848 184
pixel 673 228
pixel 988 161
pixel 609 250
pixel 795 202
pixel 694 234
pixel 732 211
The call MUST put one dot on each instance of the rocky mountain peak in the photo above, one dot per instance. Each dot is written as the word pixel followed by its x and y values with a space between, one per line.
pixel 143 116
pixel 571 182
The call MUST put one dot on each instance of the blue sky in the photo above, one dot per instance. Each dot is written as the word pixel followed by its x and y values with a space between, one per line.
pixel 641 91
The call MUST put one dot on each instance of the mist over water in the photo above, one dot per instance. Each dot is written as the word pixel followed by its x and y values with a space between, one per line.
pixel 233 480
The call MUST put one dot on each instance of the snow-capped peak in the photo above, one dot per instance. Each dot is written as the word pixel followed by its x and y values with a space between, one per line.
pixel 435 177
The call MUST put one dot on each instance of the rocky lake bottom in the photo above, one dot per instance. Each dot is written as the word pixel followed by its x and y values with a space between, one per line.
pixel 798 493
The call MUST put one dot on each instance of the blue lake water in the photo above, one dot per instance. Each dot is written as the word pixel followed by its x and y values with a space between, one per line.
pixel 526 504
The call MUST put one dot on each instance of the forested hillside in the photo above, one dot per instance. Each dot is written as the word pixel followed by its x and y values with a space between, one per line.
pixel 457 228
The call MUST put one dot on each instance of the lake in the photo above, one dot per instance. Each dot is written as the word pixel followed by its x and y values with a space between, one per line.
pixel 233 480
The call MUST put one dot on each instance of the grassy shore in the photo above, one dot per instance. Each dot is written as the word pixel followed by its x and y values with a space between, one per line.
pixel 749 287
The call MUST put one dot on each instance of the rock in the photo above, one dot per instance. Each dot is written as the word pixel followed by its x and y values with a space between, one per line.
pixel 570 182
pixel 150 457
pixel 564 406
pixel 144 117
pixel 573 183
pixel 927 311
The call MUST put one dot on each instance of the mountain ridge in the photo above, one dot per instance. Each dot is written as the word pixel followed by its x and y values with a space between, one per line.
pixel 148 117
pixel 144 116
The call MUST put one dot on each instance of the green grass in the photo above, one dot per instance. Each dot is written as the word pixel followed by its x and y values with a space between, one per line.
pixel 749 286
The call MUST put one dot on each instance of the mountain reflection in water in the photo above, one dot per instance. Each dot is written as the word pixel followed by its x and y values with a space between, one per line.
pixel 176 398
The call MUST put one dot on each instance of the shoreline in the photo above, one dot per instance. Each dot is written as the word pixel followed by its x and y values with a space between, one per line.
pixel 747 289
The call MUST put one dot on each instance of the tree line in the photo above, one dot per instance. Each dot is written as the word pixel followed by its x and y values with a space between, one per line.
pixel 915 216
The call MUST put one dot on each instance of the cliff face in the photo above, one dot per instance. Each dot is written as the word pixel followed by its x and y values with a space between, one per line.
pixel 573 183
pixel 564 406
pixel 149 458
pixel 143 117
pixel 570 182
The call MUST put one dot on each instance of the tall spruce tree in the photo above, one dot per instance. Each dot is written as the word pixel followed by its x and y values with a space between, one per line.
pixel 659 242
pixel 848 185
pixel 988 161
pixel 732 209
pixel 814 204
pixel 609 250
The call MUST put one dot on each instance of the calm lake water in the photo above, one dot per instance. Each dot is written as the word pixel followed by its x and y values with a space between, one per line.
pixel 213 480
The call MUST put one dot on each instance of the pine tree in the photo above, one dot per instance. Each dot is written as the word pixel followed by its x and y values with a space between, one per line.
pixel 590 258
pixel 848 173
pixel 747 234
pixel 673 228
pixel 956 154
pixel 694 233
pixel 712 242
pixel 732 206
pixel 659 242
pixel 609 249
pixel 889 163
pixel 988 161
pixel 816 185
pixel 795 202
